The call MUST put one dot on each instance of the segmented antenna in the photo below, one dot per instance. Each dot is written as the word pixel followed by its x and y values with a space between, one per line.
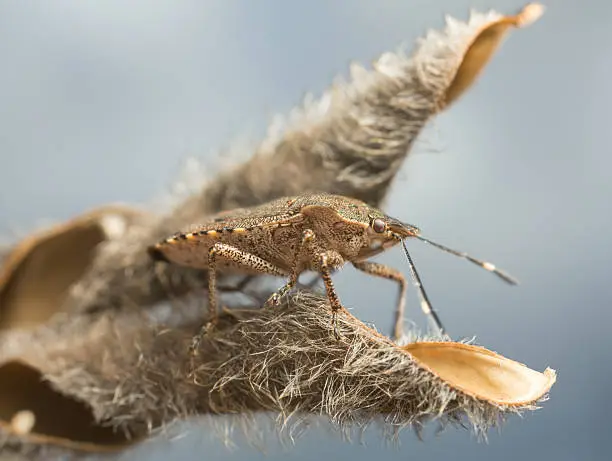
pixel 425 304
pixel 485 265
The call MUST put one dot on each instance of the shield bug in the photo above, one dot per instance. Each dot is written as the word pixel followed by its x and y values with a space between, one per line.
pixel 290 235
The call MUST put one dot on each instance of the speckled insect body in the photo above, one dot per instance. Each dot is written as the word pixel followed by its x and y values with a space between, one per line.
pixel 290 235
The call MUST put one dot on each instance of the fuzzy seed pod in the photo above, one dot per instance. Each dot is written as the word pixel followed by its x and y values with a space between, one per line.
pixel 91 328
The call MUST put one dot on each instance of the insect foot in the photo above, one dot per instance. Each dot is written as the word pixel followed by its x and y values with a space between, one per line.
pixel 335 325
pixel 197 339
pixel 310 232
pixel 275 298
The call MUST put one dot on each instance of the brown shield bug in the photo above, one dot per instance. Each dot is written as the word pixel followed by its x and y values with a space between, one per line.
pixel 290 235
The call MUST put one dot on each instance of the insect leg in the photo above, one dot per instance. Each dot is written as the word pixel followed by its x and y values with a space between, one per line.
pixel 307 237
pixel 240 257
pixel 380 270
pixel 326 264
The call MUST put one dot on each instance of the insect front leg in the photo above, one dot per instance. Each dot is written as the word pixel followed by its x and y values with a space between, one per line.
pixel 241 258
pixel 327 261
pixel 307 237
pixel 380 270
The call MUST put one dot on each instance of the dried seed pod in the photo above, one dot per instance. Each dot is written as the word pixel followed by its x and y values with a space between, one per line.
pixel 36 275
pixel 119 371
pixel 481 373
pixel 483 45
pixel 282 360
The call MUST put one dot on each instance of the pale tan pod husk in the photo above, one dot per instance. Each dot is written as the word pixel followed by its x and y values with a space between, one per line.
pixel 38 272
pixel 36 275
pixel 481 373
pixel 36 416
pixel 484 45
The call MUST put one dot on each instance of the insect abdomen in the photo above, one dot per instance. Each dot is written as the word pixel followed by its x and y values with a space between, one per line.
pixel 157 255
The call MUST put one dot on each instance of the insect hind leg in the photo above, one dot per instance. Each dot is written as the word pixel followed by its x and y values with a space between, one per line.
pixel 241 258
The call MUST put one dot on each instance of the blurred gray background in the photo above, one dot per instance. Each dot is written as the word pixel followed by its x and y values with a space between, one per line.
pixel 104 101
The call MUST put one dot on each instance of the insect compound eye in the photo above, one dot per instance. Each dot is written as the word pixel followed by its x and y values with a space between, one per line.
pixel 379 226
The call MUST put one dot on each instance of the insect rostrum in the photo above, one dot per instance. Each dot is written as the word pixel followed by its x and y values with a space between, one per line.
pixel 290 235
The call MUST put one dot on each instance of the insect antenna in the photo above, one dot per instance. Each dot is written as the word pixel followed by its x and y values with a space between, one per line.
pixel 425 304
pixel 485 265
